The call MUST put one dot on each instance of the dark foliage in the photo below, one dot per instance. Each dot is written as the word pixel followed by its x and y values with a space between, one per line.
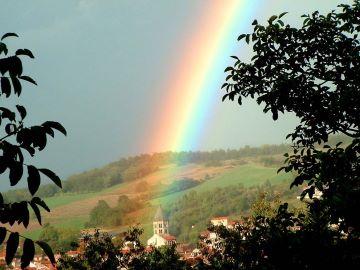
pixel 18 144
pixel 313 72
pixel 99 253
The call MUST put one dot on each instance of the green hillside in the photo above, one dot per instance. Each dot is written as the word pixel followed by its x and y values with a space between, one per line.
pixel 236 175
pixel 247 175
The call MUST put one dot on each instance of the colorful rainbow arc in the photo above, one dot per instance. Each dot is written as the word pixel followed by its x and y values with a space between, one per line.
pixel 193 88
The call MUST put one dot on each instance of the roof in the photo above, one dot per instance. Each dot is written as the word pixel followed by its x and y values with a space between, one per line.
pixel 168 237
pixel 205 233
pixel 219 218
pixel 73 252
pixel 159 215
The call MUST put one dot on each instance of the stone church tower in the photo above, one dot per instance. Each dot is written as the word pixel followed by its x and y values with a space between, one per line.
pixel 161 235
pixel 160 222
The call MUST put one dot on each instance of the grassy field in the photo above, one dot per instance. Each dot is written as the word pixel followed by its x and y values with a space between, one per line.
pixel 247 175
pixel 74 222
pixel 72 210
pixel 64 199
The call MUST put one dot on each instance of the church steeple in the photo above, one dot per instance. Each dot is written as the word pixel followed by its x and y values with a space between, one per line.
pixel 160 222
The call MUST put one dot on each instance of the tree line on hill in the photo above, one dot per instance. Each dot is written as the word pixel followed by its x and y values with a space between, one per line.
pixel 129 169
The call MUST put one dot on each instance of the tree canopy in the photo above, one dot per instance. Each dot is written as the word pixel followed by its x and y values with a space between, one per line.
pixel 313 72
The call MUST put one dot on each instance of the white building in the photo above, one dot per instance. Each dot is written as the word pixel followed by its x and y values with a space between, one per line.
pixel 217 221
pixel 161 235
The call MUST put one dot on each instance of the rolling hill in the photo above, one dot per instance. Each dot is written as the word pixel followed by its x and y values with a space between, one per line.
pixel 72 210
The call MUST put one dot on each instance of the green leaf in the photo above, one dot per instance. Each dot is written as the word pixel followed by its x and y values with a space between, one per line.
pixel 33 179
pixel 52 176
pixel 48 251
pixel 28 253
pixel 255 22
pixel 9 35
pixel 2 234
pixel 55 125
pixel 24 52
pixel 29 79
pixel 21 110
pixel 11 247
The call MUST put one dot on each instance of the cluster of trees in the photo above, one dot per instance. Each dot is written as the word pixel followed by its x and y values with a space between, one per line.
pixel 191 214
pixel 60 239
pixel 104 215
pixel 100 253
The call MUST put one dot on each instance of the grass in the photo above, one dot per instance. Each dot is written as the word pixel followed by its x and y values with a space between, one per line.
pixel 248 175
pixel 66 198
pixel 75 222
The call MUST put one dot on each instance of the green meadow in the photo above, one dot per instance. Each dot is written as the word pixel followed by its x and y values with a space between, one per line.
pixel 247 175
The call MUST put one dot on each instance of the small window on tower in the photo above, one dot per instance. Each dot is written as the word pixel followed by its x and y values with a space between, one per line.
pixel 160 231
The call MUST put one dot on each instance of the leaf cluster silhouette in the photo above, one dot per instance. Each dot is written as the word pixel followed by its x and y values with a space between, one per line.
pixel 18 144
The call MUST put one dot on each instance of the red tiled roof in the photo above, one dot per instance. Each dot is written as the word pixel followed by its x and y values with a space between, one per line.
pixel 73 252
pixel 219 218
pixel 168 237
pixel 205 233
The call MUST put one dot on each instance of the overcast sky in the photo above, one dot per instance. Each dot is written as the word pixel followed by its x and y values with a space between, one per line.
pixel 99 65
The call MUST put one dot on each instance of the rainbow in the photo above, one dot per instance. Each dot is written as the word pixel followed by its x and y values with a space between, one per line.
pixel 192 89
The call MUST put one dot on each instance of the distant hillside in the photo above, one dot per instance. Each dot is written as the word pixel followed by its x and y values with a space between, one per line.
pixel 132 168
pixel 165 178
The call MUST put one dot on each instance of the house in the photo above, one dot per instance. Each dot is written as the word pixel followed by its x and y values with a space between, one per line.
pixel 161 235
pixel 217 221
pixel 210 238
pixel 317 195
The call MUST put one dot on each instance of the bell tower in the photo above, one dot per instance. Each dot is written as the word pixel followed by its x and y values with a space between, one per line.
pixel 160 222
